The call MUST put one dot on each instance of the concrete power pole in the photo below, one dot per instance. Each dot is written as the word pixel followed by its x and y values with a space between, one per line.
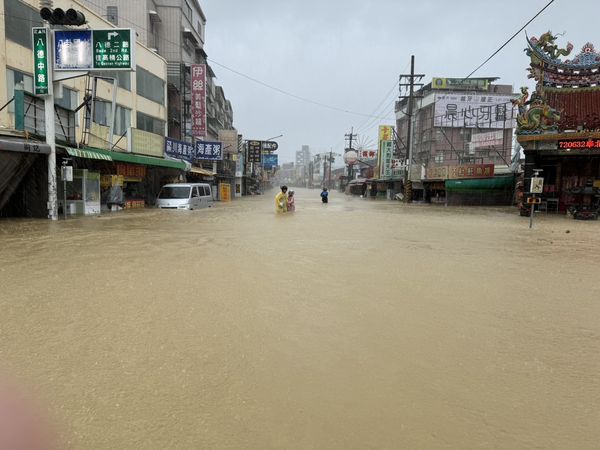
pixel 50 127
pixel 408 80
pixel 350 137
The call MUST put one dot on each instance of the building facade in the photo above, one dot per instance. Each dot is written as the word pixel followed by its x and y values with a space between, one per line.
pixel 557 127
pixel 175 29
pixel 83 128
pixel 460 129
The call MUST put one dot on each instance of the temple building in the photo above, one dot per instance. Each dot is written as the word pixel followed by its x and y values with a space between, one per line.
pixel 558 125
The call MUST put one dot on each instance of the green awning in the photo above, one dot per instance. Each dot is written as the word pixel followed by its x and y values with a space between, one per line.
pixel 140 159
pixel 88 154
pixel 481 184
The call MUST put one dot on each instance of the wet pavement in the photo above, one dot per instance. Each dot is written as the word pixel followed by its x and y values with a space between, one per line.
pixel 357 324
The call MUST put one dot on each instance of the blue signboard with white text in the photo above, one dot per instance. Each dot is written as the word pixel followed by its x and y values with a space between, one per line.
pixel 73 49
pixel 269 161
pixel 179 149
pixel 209 151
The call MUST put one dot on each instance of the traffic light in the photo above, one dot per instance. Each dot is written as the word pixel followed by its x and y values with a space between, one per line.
pixel 59 17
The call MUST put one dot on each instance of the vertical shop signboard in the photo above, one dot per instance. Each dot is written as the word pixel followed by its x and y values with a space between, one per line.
pixel 386 133
pixel 40 61
pixel 387 150
pixel 254 151
pixel 198 100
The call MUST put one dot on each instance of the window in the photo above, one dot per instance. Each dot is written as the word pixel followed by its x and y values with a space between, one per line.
pixel 68 99
pixel 122 120
pixel 195 192
pixel 123 78
pixel 150 86
pixel 439 158
pixel 174 192
pixel 151 124
pixel 19 31
pixel 112 14
pixel 102 112
pixel 13 77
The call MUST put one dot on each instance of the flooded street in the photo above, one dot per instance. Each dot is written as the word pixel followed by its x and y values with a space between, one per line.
pixel 351 325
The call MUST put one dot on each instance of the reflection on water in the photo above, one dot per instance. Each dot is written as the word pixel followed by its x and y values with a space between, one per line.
pixel 356 324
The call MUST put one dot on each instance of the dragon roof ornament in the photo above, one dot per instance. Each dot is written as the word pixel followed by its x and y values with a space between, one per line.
pixel 547 51
pixel 548 69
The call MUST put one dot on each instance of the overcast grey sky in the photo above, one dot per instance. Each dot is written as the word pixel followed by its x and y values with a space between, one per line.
pixel 349 53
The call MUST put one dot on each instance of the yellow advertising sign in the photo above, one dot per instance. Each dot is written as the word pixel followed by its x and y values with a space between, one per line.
pixel 386 133
pixel 225 191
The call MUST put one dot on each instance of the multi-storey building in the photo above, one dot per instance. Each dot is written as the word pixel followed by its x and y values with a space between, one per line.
pixel 136 137
pixel 456 123
pixel 175 29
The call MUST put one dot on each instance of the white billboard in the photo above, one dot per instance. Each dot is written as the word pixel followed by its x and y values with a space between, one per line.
pixel 489 139
pixel 474 110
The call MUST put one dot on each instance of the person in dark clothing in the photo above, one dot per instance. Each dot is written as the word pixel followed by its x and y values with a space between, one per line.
pixel 325 195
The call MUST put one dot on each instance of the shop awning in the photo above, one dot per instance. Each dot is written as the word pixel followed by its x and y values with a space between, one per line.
pixel 200 171
pixel 141 159
pixel 88 154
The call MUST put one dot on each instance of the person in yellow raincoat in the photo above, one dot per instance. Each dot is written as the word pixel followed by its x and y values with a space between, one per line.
pixel 281 200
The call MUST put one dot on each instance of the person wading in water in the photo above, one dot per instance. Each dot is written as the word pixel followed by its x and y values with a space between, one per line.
pixel 325 195
pixel 281 200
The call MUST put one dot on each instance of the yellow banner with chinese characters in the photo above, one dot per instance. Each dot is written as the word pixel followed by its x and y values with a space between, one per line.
pixel 386 133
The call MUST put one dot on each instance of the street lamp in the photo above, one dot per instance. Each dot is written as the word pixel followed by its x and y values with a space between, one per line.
pixel 274 137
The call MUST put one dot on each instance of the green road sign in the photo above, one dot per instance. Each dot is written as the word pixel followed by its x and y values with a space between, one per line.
pixel 40 61
pixel 113 49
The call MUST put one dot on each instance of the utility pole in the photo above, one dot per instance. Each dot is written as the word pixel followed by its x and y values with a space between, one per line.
pixel 350 137
pixel 408 80
pixel 330 160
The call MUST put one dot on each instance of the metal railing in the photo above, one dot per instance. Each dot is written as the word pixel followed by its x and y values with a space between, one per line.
pixel 35 121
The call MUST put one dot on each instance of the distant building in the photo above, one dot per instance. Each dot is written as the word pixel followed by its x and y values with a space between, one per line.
pixel 303 159
pixel 459 126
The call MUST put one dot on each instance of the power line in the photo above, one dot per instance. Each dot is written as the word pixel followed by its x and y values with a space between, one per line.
pixel 297 97
pixel 510 39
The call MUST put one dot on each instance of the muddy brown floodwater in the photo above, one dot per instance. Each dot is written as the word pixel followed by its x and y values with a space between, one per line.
pixel 353 325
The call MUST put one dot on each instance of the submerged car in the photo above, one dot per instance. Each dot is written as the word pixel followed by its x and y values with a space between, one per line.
pixel 185 196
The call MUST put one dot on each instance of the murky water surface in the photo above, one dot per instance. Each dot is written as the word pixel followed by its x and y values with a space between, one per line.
pixel 352 325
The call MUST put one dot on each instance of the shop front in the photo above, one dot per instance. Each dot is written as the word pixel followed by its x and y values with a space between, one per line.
pixel 570 169
pixel 557 127
pixel 125 180
pixel 23 177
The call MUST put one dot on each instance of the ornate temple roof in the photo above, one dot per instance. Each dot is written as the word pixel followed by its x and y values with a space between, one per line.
pixel 567 95
pixel 547 67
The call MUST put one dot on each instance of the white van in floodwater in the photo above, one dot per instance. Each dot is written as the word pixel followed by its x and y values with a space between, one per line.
pixel 185 196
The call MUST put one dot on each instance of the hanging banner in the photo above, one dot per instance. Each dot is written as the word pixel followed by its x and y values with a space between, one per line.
pixel 198 100
pixel 179 149
pixel 471 110
pixel 209 151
